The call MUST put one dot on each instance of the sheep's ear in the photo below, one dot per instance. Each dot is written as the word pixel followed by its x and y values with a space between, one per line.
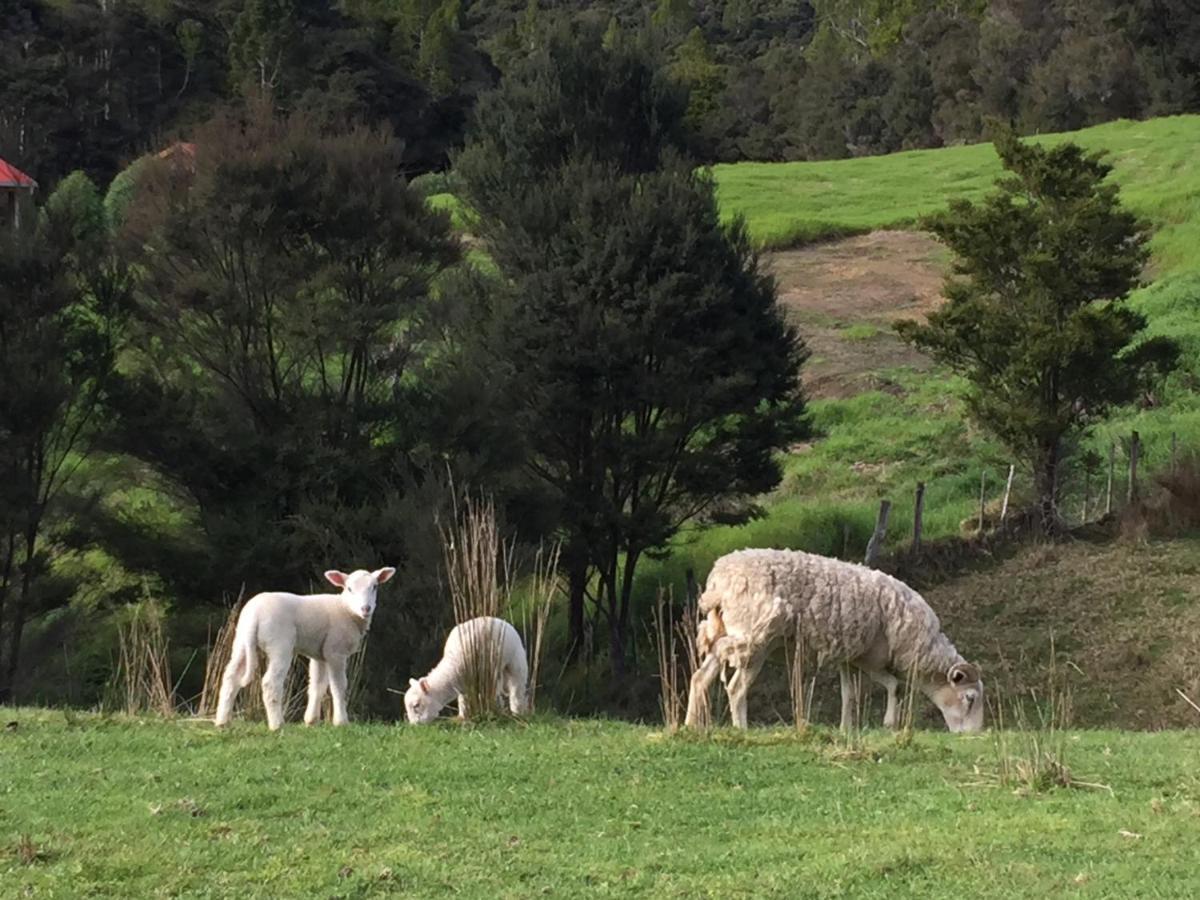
pixel 412 682
pixel 962 673
pixel 384 574
pixel 336 578
pixel 425 685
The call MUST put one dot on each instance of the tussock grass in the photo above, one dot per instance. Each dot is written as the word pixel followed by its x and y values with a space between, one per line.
pixel 141 681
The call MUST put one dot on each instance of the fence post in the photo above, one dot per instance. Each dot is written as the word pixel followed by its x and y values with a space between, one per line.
pixel 876 543
pixel 845 540
pixel 1135 449
pixel 918 513
pixel 1007 490
pixel 1112 465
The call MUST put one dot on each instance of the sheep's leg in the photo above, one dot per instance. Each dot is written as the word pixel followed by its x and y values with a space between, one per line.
pixel 849 697
pixel 318 686
pixel 891 717
pixel 272 688
pixel 462 706
pixel 230 687
pixel 337 687
pixel 738 689
pixel 702 680
pixel 518 699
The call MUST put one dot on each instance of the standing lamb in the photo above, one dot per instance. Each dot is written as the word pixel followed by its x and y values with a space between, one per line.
pixel 326 628
pixel 856 616
pixel 426 696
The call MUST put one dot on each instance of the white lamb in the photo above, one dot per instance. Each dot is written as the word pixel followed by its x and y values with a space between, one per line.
pixel 326 628
pixel 426 696
pixel 850 614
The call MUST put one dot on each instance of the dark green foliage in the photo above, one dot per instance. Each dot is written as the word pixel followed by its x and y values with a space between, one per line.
pixel 284 310
pixel 649 374
pixel 1035 318
pixel 62 302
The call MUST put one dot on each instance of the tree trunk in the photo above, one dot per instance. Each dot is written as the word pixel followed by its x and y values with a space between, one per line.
pixel 576 565
pixel 10 552
pixel 616 635
pixel 17 626
pixel 631 558
pixel 1046 473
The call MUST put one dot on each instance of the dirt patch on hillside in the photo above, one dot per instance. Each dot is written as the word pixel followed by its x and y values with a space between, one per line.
pixel 845 295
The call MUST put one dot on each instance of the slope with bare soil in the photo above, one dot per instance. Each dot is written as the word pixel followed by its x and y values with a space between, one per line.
pixel 845 296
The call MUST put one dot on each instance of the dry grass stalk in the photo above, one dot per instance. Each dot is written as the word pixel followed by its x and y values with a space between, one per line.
pixel 800 703
pixel 908 709
pixel 673 685
pixel 478 564
pixel 543 590
pixel 1188 700
pixel 142 680
pixel 219 651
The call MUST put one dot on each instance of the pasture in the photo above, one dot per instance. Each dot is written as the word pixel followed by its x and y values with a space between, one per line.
pixel 113 807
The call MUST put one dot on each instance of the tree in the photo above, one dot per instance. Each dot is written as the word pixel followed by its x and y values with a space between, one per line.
pixel 1034 317
pixel 61 306
pixel 650 373
pixel 283 311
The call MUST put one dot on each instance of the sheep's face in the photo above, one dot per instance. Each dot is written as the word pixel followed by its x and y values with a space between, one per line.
pixel 418 705
pixel 960 698
pixel 359 588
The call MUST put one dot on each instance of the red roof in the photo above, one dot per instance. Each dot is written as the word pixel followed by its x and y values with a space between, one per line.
pixel 12 177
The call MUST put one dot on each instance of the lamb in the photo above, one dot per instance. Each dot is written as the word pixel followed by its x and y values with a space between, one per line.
pixel 326 628
pixel 426 696
pixel 848 613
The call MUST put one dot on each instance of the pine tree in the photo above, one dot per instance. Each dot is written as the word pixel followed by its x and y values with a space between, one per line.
pixel 1034 317
pixel 651 374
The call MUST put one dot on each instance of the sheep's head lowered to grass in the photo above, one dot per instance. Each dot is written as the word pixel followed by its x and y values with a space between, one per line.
pixel 359 588
pixel 419 707
pixel 959 697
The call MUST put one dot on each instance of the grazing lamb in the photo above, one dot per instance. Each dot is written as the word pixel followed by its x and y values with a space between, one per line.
pixel 857 616
pixel 326 628
pixel 426 696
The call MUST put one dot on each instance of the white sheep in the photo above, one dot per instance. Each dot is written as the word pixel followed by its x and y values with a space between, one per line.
pixel 426 696
pixel 850 614
pixel 326 628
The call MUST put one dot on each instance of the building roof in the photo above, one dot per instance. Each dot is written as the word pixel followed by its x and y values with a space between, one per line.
pixel 12 177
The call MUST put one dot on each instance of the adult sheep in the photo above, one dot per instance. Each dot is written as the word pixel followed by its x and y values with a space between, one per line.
pixel 849 614
pixel 326 628
pixel 488 641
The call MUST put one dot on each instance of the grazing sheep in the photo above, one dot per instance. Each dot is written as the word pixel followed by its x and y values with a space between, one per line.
pixel 426 696
pixel 857 616
pixel 326 628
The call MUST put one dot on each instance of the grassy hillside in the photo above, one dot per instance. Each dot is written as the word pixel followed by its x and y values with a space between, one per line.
pixel 912 428
pixel 119 808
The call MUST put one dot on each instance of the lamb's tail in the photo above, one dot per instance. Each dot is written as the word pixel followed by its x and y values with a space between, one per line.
pixel 244 661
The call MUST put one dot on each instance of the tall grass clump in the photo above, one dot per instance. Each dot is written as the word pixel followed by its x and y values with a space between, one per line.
pixel 1031 749
pixel 479 567
pixel 677 659
pixel 543 589
pixel 141 681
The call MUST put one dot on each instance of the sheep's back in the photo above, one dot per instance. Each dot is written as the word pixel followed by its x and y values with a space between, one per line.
pixel 842 609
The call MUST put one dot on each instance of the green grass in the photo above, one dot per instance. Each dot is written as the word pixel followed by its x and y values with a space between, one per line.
pixel 119 808
pixel 789 203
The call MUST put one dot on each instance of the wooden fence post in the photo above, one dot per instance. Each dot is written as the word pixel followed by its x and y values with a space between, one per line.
pixel 1112 465
pixel 875 546
pixel 1135 449
pixel 1007 490
pixel 918 513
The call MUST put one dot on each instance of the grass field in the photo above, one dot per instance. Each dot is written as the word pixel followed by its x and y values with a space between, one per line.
pixel 120 808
